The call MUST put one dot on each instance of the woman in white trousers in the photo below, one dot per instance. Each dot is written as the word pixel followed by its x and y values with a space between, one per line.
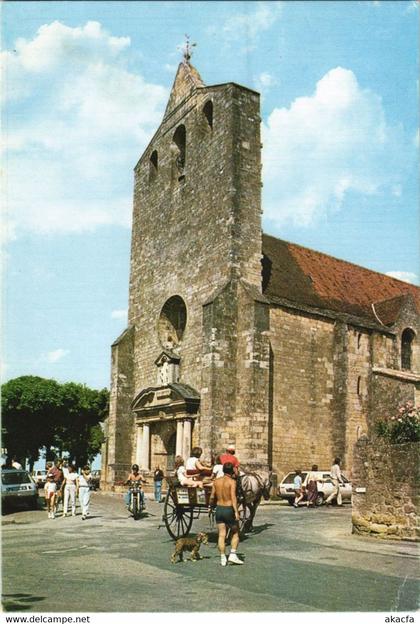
pixel 69 486
pixel 83 489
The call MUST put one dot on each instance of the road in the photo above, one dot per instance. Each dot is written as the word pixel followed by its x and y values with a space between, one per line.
pixel 295 560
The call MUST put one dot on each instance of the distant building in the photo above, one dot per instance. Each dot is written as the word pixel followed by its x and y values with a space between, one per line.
pixel 233 335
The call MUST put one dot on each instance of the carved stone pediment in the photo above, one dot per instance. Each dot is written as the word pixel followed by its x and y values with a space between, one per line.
pixel 167 400
pixel 167 368
pixel 167 357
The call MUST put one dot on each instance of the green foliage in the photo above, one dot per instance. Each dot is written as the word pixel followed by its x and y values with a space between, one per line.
pixel 39 412
pixel 401 428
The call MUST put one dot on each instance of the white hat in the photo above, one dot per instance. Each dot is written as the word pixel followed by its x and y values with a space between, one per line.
pixel 230 447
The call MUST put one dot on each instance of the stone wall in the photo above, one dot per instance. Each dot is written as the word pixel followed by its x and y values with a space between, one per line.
pixel 320 390
pixel 388 508
pixel 235 374
pixel 357 390
pixel 117 452
pixel 303 390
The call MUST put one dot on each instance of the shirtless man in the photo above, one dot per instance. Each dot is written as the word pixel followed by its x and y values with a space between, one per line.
pixel 223 492
pixel 134 477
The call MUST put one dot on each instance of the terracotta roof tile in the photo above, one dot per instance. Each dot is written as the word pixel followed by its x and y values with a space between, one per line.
pixel 312 278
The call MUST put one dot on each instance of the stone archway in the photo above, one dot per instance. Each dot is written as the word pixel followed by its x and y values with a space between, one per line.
pixel 164 417
pixel 162 445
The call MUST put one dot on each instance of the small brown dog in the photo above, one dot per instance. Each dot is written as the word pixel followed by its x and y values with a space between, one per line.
pixel 58 498
pixel 191 544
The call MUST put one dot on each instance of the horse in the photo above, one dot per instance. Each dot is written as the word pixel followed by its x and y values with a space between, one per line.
pixel 251 488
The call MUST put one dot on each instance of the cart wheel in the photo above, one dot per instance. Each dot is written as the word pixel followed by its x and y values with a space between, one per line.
pixel 178 519
pixel 245 518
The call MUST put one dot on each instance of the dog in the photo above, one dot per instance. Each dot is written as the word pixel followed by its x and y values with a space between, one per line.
pixel 191 544
pixel 58 498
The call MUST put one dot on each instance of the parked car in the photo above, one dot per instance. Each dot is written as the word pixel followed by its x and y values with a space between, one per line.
pixel 286 491
pixel 18 488
pixel 95 479
pixel 40 477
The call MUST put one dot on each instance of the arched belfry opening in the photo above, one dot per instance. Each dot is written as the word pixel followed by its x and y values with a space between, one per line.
pixel 208 113
pixel 172 322
pixel 179 149
pixel 153 166
pixel 407 339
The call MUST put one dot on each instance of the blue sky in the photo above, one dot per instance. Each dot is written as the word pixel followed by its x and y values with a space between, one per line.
pixel 86 85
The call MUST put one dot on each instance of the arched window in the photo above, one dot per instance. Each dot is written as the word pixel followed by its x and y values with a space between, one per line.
pixel 359 386
pixel 153 165
pixel 359 339
pixel 208 113
pixel 179 142
pixel 407 338
pixel 172 322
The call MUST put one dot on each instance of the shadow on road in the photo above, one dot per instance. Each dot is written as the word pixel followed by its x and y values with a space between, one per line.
pixel 256 530
pixel 19 602
pixel 9 509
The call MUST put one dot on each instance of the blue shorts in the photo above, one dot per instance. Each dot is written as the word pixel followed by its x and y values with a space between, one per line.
pixel 226 515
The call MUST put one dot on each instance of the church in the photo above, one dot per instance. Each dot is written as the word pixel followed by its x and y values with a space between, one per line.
pixel 235 336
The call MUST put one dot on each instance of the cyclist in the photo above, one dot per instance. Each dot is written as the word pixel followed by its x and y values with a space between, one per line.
pixel 134 478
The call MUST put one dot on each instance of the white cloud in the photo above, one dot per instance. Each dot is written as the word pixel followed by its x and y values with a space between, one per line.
pixel 264 82
pixel 119 314
pixel 325 146
pixel 405 276
pixel 71 148
pixel 249 25
pixel 55 356
pixel 413 6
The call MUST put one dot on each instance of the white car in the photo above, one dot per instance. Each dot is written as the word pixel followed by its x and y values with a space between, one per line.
pixel 18 487
pixel 40 477
pixel 325 487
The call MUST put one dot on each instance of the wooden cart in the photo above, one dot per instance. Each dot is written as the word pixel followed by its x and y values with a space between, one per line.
pixel 183 505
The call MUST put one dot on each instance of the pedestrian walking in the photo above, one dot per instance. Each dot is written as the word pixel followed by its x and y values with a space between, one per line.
pixel 83 490
pixel 70 491
pixel 50 490
pixel 297 486
pixel 158 478
pixel 65 468
pixel 337 481
pixel 58 476
pixel 311 486
pixel 223 495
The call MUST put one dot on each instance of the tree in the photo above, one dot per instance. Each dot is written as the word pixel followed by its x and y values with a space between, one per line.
pixel 41 412
pixel 31 406
pixel 79 434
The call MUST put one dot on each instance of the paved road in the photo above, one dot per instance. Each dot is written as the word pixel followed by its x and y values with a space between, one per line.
pixel 296 560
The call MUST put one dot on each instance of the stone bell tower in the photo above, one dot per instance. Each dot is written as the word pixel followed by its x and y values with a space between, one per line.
pixel 192 366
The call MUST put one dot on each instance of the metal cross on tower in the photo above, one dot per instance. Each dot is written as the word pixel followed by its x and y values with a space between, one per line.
pixel 187 49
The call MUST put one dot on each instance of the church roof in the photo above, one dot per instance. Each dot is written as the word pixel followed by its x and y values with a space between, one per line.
pixel 187 79
pixel 315 279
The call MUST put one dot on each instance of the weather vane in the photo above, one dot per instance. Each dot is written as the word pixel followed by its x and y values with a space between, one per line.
pixel 187 49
